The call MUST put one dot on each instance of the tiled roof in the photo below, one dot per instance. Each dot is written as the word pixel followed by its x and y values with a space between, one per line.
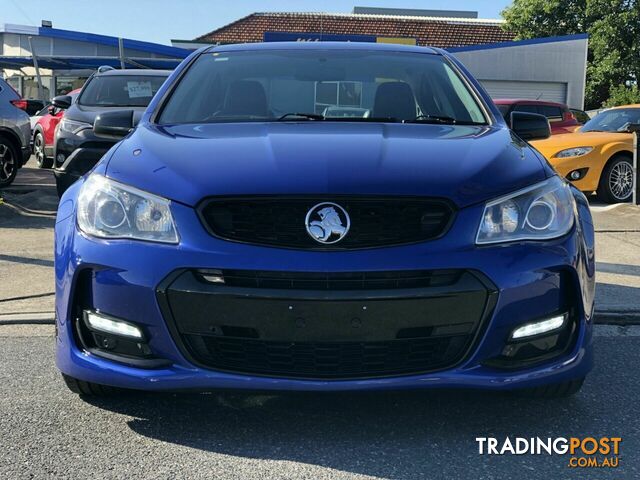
pixel 433 31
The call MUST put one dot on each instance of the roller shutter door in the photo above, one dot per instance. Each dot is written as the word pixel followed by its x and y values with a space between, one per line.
pixel 550 91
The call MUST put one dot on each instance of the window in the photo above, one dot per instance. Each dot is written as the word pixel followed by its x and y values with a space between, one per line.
pixel 121 90
pixel 504 109
pixel 66 84
pixel 612 120
pixel 30 87
pixel 554 114
pixel 354 84
pixel 337 94
pixel 523 107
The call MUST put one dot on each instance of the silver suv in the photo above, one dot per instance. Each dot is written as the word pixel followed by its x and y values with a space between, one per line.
pixel 15 132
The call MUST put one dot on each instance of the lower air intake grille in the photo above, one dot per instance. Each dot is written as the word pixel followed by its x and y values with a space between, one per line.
pixel 327 359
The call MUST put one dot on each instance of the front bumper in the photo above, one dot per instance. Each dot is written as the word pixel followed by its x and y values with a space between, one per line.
pixel 127 280
pixel 592 163
pixel 25 154
pixel 76 154
pixel 78 163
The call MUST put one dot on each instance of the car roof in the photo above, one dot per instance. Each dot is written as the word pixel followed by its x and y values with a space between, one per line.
pixel 632 105
pixel 383 47
pixel 511 101
pixel 132 72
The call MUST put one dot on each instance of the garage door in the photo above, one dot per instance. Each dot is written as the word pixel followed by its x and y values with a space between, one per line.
pixel 551 91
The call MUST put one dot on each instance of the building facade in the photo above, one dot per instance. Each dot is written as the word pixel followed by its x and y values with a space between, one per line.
pixel 66 58
pixel 547 69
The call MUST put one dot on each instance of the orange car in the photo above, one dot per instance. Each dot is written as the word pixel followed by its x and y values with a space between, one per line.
pixel 598 157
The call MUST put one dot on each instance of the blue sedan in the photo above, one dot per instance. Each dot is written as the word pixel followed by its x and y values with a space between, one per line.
pixel 323 217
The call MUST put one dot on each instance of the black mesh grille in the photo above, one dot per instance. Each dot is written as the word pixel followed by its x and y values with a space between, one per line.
pixel 334 280
pixel 280 221
pixel 327 359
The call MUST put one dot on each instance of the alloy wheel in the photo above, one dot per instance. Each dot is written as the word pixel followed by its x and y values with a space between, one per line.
pixel 7 163
pixel 38 149
pixel 621 180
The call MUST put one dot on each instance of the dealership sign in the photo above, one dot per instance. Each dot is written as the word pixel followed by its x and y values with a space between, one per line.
pixel 332 37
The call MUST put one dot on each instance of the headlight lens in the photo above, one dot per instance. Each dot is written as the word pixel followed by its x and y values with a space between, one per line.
pixel 108 209
pixel 573 152
pixel 540 212
pixel 73 126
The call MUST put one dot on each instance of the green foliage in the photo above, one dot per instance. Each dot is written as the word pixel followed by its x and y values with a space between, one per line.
pixel 614 37
pixel 623 95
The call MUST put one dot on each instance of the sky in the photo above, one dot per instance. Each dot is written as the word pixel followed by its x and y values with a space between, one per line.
pixel 162 20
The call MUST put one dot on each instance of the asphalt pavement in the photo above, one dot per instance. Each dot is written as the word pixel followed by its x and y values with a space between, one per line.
pixel 48 432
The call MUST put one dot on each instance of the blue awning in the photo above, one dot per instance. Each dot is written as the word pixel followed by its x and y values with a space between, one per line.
pixel 91 63
pixel 147 54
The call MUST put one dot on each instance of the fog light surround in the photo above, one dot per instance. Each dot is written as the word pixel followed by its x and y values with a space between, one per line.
pixel 102 323
pixel 578 174
pixel 539 327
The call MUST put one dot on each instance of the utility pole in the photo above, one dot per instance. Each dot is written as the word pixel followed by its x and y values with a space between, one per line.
pixel 121 51
pixel 35 65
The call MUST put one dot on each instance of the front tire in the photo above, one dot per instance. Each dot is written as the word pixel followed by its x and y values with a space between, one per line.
pixel 38 150
pixel 616 181
pixel 89 389
pixel 555 390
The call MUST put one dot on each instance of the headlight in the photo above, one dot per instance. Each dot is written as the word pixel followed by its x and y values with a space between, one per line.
pixel 109 209
pixel 540 212
pixel 573 152
pixel 73 126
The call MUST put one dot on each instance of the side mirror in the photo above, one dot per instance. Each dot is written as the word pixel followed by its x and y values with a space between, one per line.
pixel 62 101
pixel 114 125
pixel 530 126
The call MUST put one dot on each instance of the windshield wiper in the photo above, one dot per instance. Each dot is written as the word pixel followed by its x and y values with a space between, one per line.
pixel 437 119
pixel 308 116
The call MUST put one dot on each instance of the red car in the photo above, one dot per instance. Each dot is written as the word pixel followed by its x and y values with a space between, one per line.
pixel 560 117
pixel 43 134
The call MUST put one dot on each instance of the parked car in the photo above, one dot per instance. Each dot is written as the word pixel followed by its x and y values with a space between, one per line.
pixel 559 115
pixel 77 149
pixel 15 132
pixel 581 116
pixel 599 156
pixel 43 132
pixel 239 239
pixel 33 119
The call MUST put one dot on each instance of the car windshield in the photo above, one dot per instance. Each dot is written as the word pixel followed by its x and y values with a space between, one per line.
pixel 328 85
pixel 121 90
pixel 614 120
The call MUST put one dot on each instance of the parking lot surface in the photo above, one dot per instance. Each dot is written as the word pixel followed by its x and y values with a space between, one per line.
pixel 48 432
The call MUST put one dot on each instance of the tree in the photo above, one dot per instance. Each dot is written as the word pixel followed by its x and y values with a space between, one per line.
pixel 623 95
pixel 614 38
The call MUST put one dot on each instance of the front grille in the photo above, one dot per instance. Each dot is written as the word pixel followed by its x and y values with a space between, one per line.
pixel 280 221
pixel 334 280
pixel 325 325
pixel 327 359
